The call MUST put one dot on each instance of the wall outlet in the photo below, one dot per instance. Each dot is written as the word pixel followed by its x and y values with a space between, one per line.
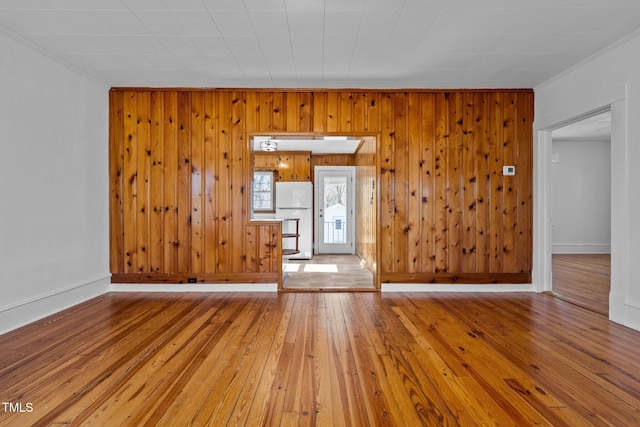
pixel 508 170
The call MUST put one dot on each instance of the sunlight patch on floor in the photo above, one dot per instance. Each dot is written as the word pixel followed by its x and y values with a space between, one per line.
pixel 321 268
pixel 291 268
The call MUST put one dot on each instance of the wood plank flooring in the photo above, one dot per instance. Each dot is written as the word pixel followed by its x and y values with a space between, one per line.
pixel 329 359
pixel 328 272
pixel 583 279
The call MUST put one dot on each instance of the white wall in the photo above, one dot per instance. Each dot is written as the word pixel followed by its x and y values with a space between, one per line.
pixel 53 186
pixel 581 202
pixel 610 78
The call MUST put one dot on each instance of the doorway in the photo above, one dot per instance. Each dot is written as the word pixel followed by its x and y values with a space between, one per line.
pixel 348 259
pixel 581 212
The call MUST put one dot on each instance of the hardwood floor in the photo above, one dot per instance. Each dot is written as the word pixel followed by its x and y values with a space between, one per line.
pixel 583 279
pixel 322 359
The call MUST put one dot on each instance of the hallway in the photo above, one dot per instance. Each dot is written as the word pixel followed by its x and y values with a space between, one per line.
pixel 328 272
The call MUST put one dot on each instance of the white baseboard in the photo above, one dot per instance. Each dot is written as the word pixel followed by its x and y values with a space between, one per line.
pixel 581 248
pixel 29 310
pixel 201 287
pixel 429 287
pixel 624 311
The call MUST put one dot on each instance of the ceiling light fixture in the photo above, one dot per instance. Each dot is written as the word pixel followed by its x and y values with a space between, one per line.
pixel 268 145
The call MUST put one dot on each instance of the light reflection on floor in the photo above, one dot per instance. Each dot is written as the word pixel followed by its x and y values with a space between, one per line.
pixel 311 268
pixel 326 272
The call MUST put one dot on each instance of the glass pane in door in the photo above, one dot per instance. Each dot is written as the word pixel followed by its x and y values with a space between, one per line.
pixel 335 209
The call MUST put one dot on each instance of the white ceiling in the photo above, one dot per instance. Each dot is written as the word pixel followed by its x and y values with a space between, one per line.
pixel 321 43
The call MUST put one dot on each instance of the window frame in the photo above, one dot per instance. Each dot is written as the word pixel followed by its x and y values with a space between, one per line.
pixel 272 191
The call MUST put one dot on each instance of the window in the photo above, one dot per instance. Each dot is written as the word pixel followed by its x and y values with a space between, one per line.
pixel 264 191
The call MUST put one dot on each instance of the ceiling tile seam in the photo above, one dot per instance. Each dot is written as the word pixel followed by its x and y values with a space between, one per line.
pixel 150 33
pixel 355 45
pixel 19 38
pixel 295 68
pixel 266 63
pixel 401 74
pixel 209 12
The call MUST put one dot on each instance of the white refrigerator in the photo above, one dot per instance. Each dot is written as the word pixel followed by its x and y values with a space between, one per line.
pixel 295 200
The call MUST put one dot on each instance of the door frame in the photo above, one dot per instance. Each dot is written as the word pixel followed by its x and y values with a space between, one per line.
pixel 351 207
pixel 620 187
pixel 376 135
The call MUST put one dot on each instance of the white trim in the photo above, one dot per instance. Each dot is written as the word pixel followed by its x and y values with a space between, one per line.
pixel 202 287
pixel 581 248
pixel 557 119
pixel 55 292
pixel 541 273
pixel 429 287
pixel 620 221
pixel 616 99
pixel 31 309
pixel 631 314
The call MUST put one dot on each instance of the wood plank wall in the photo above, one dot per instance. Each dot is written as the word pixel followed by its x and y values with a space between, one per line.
pixel 179 165
pixel 366 202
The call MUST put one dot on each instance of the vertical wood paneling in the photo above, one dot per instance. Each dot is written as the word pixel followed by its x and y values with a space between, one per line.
pixel 414 162
pixel 278 111
pixel 265 109
pixel 143 221
pixel 441 182
pixel 210 244
pixel 252 111
pixel 483 188
pixel 224 214
pixel 359 118
pixel 510 186
pixel 170 220
pixel 333 112
pixel 524 174
pixel 130 176
pixel 275 254
pixel 251 251
pixel 305 112
pixel 183 198
pixel 320 111
pixel 179 163
pixel 237 168
pixel 292 112
pixel 455 173
pixel 156 196
pixel 386 201
pixel 197 164
pixel 264 249
pixel 427 175
pixel 470 183
pixel 374 122
pixel 400 223
pixel 345 113
pixel 497 202
pixel 116 162
pixel 366 202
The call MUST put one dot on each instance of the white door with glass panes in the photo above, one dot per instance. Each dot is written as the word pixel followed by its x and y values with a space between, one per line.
pixel 335 209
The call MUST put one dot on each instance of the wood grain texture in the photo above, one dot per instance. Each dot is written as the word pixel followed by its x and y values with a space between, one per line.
pixel 583 279
pixel 180 170
pixel 322 359
pixel 365 160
